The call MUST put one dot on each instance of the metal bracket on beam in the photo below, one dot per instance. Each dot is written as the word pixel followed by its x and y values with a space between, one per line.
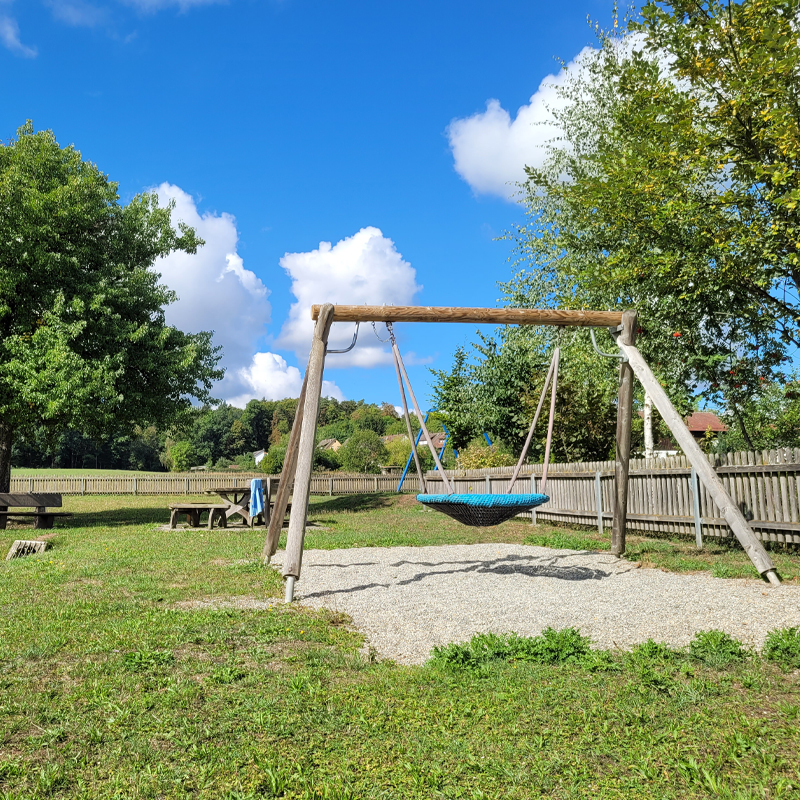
pixel 614 333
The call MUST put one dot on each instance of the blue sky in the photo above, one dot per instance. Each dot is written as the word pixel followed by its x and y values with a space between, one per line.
pixel 388 130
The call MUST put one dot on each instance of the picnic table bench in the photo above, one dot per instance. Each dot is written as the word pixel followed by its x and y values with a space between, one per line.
pixel 193 511
pixel 43 518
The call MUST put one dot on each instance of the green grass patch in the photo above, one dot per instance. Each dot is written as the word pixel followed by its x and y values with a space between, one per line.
pixel 142 663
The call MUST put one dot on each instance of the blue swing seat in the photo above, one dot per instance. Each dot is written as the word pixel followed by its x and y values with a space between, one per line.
pixel 482 510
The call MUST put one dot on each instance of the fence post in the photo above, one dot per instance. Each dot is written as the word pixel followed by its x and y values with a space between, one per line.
pixel 598 500
pixel 698 522
pixel 186 486
pixel 83 486
pixel 488 485
pixel 376 485
pixel 330 487
pixel 30 485
pixel 134 486
pixel 533 491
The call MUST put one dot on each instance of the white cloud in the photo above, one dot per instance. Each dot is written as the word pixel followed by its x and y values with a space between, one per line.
pixel 362 269
pixel 9 36
pixel 217 292
pixel 270 377
pixel 491 150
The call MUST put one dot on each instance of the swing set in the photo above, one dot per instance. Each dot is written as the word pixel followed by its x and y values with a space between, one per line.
pixel 490 509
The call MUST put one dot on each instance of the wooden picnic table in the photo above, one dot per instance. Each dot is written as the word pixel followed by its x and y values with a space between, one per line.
pixel 237 500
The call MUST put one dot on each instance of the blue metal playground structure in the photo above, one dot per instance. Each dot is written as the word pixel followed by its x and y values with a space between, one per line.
pixel 441 452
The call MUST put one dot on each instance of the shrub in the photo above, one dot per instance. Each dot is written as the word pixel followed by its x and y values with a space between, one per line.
pixel 567 646
pixel 477 456
pixel 716 648
pixel 182 456
pixel 783 647
pixel 363 452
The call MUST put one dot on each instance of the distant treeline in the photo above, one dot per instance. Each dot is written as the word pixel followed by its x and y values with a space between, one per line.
pixel 225 435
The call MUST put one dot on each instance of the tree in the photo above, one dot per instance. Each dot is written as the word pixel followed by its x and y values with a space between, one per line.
pixel 83 340
pixel 363 452
pixel 182 456
pixel 673 188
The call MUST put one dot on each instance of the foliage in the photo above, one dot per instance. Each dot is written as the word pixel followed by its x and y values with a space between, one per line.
pixel 181 456
pixel 783 647
pixel 479 455
pixel 764 421
pixel 566 646
pixel 716 648
pixel 363 452
pixel 673 188
pixel 83 340
pixel 499 393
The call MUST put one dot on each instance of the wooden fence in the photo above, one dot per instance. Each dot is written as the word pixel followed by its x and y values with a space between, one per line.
pixel 765 486
pixel 197 483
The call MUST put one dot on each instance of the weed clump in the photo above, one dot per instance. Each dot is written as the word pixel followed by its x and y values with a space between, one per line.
pixel 783 647
pixel 567 646
pixel 146 660
pixel 716 649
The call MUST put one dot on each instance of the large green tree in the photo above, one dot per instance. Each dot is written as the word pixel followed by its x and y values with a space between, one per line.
pixel 673 187
pixel 83 340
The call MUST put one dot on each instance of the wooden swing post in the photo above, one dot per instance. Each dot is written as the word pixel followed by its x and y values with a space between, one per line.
pixel 305 451
pixel 623 439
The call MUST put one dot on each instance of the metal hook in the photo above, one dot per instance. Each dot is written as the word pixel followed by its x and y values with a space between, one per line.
pixel 620 356
pixel 352 344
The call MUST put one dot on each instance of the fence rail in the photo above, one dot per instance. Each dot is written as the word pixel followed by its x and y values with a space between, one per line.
pixel 170 484
pixel 765 486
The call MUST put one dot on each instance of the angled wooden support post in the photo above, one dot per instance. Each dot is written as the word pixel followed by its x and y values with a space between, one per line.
pixel 305 452
pixel 278 511
pixel 697 458
pixel 624 416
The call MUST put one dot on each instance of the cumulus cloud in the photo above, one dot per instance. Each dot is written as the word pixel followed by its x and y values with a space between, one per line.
pixel 491 150
pixel 217 292
pixel 271 377
pixel 9 36
pixel 362 269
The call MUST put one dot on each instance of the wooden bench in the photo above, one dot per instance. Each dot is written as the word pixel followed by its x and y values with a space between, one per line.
pixel 193 511
pixel 42 517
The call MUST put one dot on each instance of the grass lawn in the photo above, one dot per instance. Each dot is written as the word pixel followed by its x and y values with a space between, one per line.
pixel 116 682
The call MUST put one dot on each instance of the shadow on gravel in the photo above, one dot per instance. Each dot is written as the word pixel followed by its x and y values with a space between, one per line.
pixel 529 566
pixel 350 590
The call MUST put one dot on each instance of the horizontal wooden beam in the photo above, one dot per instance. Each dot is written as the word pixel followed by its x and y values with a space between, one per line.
pixel 494 316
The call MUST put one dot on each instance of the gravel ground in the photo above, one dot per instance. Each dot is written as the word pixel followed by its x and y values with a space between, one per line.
pixel 408 599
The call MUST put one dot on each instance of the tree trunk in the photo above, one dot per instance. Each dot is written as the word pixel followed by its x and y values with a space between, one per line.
pixel 648 426
pixel 6 440
pixel 745 434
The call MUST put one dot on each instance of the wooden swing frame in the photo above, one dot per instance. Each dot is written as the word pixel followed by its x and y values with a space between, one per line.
pixel 622 325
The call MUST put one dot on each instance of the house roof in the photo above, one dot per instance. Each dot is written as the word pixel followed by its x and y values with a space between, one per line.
pixel 326 443
pixel 701 421
pixel 393 437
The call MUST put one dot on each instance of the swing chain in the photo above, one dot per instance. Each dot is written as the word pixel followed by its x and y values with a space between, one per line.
pixel 388 328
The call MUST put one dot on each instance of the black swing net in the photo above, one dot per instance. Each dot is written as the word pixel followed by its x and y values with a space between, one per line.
pixel 477 510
